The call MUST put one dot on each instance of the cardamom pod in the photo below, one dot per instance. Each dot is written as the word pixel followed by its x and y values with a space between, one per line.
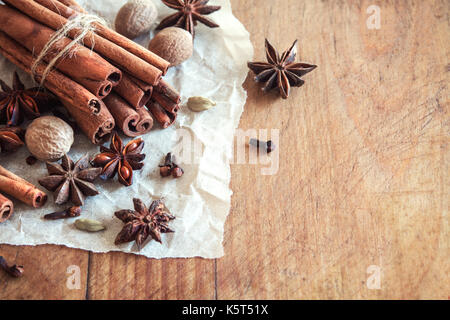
pixel 89 225
pixel 198 104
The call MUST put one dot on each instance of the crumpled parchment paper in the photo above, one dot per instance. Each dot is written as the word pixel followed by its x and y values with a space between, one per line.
pixel 200 200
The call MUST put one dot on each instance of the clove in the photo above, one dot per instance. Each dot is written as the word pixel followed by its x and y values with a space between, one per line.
pixel 71 212
pixel 14 271
pixel 170 167
pixel 268 146
pixel 177 172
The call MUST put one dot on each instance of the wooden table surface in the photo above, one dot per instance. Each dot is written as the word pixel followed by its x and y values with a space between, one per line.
pixel 362 190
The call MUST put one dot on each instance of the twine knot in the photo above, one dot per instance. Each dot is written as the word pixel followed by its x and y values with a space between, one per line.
pixel 82 22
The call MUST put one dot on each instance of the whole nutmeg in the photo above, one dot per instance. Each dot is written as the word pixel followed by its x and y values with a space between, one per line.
pixel 173 44
pixel 136 18
pixel 49 138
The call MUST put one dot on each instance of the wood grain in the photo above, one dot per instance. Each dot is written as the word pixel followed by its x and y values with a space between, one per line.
pixel 363 173
pixel 47 270
pixel 125 276
pixel 363 176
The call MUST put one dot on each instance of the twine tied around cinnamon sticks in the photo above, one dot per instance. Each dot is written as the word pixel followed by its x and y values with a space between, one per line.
pixel 112 65
pixel 84 23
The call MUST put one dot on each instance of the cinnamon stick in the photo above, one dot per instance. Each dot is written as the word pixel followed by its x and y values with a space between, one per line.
pixel 66 7
pixel 96 74
pixel 164 118
pixel 132 123
pixel 63 87
pixel 146 121
pixel 97 128
pixel 134 91
pixel 101 88
pixel 165 102
pixel 21 189
pixel 6 208
pixel 126 60
pixel 167 90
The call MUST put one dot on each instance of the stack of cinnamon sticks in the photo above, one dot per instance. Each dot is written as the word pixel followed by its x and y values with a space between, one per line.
pixel 118 85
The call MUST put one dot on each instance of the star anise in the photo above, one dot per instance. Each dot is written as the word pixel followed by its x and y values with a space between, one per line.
pixel 18 103
pixel 11 139
pixel 280 71
pixel 189 12
pixel 143 222
pixel 71 181
pixel 120 159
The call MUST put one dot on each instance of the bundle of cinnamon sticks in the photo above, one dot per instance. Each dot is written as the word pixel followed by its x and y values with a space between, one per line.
pixel 118 85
